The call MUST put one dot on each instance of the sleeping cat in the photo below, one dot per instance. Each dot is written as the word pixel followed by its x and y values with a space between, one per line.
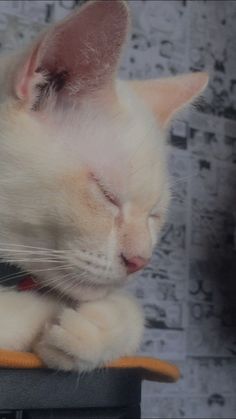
pixel 84 187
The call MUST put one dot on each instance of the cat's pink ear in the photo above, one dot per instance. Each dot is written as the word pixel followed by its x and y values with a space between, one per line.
pixel 169 95
pixel 77 56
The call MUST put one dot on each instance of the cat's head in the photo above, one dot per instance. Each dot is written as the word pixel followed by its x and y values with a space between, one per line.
pixel 84 189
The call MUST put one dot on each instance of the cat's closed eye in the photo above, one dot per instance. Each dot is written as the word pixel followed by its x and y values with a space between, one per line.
pixel 109 196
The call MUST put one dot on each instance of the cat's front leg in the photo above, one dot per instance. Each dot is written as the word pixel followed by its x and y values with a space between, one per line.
pixel 94 334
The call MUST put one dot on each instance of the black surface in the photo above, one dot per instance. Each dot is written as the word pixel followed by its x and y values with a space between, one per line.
pixel 132 412
pixel 46 389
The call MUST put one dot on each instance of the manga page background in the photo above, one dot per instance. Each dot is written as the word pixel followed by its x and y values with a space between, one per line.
pixel 189 290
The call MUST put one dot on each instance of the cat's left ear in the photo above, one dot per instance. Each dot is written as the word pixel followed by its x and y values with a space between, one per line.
pixel 169 95
pixel 74 58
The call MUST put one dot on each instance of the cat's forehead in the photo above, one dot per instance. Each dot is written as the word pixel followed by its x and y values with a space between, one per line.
pixel 121 146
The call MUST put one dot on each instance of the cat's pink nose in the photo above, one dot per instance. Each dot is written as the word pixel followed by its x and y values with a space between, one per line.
pixel 134 264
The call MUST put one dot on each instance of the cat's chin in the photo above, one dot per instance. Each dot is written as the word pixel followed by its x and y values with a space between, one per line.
pixel 91 288
pixel 77 284
pixel 87 292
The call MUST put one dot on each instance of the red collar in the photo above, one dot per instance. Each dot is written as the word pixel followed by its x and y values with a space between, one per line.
pixel 27 284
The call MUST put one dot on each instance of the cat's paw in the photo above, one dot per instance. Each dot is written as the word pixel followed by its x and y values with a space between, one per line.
pixel 93 335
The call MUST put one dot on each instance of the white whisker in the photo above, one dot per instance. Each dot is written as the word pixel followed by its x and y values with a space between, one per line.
pixel 22 273
pixel 9 260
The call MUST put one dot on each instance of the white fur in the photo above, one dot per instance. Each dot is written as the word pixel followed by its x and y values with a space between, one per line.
pixel 93 335
pixel 56 222
pixel 66 338
pixel 127 150
pixel 22 316
pixel 98 331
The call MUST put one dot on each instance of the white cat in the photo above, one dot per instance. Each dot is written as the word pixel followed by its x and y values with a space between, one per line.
pixel 83 189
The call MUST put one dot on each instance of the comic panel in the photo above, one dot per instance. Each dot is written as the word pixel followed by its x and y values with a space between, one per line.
pixel 211 330
pixel 165 344
pixel 214 406
pixel 207 376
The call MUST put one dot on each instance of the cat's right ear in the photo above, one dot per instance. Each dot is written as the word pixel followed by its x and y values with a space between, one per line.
pixel 76 57
pixel 169 95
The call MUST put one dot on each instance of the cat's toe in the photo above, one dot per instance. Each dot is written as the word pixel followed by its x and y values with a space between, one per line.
pixel 62 350
pixel 54 357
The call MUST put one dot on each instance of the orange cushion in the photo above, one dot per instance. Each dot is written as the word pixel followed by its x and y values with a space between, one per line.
pixel 151 368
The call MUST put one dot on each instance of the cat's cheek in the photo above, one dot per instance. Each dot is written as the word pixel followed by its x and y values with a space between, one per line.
pixel 155 224
pixel 152 224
